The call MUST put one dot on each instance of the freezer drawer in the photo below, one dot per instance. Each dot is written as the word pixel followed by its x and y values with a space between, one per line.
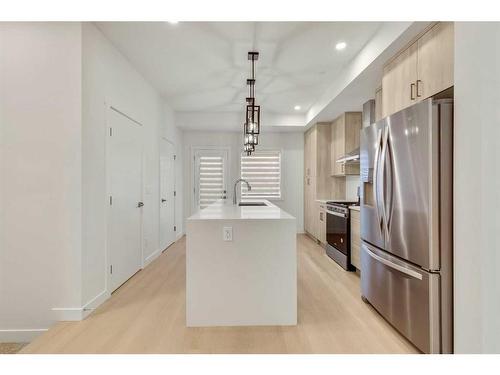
pixel 407 296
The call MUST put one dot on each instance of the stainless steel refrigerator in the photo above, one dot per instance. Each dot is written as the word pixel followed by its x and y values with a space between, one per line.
pixel 406 222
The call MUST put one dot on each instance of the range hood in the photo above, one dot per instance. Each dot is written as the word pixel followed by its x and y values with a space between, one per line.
pixel 350 157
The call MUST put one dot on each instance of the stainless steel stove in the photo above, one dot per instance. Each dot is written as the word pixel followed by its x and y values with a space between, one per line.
pixel 338 233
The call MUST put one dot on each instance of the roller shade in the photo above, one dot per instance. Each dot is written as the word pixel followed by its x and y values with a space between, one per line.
pixel 263 171
pixel 211 180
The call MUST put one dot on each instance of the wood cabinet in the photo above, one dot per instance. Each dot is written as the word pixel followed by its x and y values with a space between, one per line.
pixel 310 168
pixel 345 131
pixel 421 70
pixel 435 60
pixel 355 239
pixel 323 144
pixel 318 182
pixel 321 215
pixel 399 81
pixel 378 104
pixel 310 205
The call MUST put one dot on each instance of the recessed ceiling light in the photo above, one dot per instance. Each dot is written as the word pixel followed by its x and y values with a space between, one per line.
pixel 173 22
pixel 297 107
pixel 340 46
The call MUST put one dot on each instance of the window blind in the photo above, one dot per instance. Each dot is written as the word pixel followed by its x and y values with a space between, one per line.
pixel 262 170
pixel 211 180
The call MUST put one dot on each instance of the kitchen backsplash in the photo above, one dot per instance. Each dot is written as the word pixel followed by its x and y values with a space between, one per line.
pixel 351 187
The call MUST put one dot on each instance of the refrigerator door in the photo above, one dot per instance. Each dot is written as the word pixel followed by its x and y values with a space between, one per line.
pixel 407 296
pixel 372 226
pixel 410 197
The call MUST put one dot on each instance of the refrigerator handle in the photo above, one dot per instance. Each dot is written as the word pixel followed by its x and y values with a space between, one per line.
pixel 376 180
pixel 384 181
pixel 394 266
pixel 390 185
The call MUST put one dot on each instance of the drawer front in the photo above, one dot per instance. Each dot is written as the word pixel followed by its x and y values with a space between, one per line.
pixel 355 231
pixel 406 296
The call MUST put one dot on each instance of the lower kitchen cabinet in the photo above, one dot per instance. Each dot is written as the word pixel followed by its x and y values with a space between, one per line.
pixel 322 223
pixel 355 239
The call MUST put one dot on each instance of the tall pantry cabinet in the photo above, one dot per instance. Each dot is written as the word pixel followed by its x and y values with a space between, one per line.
pixel 317 184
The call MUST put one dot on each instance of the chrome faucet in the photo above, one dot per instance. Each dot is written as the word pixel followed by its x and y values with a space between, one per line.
pixel 236 183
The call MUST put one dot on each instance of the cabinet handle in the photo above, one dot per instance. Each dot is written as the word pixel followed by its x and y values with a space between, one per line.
pixel 412 86
pixel 418 88
pixel 321 216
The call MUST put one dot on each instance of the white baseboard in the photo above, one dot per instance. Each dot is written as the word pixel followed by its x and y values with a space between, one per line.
pixel 67 314
pixel 179 236
pixel 20 335
pixel 152 257
pixel 90 306
pixel 80 313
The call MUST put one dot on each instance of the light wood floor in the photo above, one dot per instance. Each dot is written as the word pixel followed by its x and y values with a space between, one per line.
pixel 147 315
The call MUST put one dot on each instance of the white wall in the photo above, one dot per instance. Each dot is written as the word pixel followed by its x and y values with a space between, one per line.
pixel 40 174
pixel 109 78
pixel 55 79
pixel 477 183
pixel 292 146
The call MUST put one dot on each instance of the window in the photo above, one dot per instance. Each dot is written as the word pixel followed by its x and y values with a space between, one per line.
pixel 262 170
pixel 210 177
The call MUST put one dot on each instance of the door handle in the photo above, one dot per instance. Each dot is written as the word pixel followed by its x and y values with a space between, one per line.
pixel 412 86
pixel 163 200
pixel 419 81
pixel 394 266
pixel 140 204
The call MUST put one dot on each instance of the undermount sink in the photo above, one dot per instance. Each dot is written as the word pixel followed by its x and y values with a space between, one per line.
pixel 252 204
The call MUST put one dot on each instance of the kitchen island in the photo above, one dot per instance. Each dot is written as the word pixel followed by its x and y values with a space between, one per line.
pixel 241 266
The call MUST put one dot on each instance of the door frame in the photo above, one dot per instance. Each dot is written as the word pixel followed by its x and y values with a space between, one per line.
pixel 107 171
pixel 193 151
pixel 175 189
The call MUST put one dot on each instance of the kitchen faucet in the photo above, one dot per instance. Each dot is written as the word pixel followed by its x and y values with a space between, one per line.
pixel 236 183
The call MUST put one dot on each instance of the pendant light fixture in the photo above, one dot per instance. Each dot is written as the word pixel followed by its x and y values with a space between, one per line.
pixel 251 127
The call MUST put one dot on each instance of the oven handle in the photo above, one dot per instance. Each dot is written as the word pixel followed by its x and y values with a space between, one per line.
pixel 336 214
pixel 394 266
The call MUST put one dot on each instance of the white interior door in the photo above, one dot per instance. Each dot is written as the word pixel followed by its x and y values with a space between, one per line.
pixel 167 194
pixel 125 171
pixel 210 177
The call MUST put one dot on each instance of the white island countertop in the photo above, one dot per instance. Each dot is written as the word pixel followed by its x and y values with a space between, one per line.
pixel 225 210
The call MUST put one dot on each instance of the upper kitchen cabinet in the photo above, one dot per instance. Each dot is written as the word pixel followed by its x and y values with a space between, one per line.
pixel 345 131
pixel 420 71
pixel 310 151
pixel 435 60
pixel 399 81
pixel 317 160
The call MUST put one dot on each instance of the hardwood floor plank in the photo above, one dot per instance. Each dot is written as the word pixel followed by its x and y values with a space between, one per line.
pixel 147 315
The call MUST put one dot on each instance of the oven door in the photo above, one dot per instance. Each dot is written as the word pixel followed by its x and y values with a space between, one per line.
pixel 337 231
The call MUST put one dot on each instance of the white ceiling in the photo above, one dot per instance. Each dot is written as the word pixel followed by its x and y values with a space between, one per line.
pixel 203 66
